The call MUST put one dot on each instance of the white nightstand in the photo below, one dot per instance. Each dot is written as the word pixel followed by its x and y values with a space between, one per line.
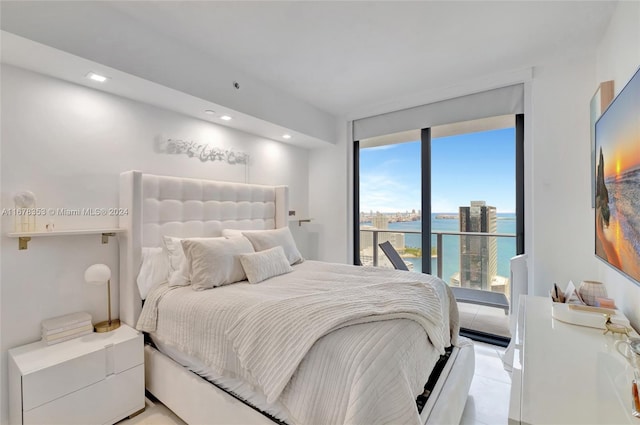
pixel 94 379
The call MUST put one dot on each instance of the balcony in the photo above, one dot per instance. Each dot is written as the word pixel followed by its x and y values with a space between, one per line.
pixel 467 259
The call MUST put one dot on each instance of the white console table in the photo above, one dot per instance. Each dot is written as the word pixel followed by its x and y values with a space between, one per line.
pixel 566 374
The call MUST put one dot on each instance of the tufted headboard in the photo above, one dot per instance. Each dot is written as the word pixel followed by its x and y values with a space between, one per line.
pixel 183 207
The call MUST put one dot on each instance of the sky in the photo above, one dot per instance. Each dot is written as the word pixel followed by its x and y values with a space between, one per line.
pixel 468 167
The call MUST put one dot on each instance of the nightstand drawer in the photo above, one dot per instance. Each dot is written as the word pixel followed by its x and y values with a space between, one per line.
pixel 48 384
pixel 94 379
pixel 126 354
pixel 104 402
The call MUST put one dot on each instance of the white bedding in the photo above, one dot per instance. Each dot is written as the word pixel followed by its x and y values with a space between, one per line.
pixel 366 373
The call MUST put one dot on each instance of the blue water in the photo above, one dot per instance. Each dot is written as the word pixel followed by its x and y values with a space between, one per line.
pixel 451 243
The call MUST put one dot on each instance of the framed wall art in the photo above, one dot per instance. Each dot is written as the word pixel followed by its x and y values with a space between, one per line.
pixel 599 102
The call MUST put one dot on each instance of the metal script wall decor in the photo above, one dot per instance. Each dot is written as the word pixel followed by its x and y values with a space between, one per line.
pixel 202 151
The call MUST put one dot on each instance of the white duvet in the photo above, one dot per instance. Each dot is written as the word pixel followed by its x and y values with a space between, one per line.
pixel 331 343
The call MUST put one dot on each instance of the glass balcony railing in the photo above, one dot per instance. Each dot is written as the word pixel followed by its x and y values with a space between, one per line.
pixel 475 260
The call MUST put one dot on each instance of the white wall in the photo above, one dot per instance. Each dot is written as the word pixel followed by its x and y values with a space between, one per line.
pixel 330 181
pixel 559 217
pixel 563 217
pixel 68 144
pixel 618 59
pixel 561 189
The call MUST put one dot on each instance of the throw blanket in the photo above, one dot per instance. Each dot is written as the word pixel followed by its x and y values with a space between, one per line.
pixel 272 339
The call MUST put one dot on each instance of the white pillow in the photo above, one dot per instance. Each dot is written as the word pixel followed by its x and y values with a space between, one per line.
pixel 174 251
pixel 265 239
pixel 232 233
pixel 180 272
pixel 153 270
pixel 266 264
pixel 214 262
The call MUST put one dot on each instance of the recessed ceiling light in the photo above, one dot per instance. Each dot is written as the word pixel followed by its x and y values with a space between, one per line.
pixel 286 136
pixel 225 117
pixel 97 77
pixel 210 112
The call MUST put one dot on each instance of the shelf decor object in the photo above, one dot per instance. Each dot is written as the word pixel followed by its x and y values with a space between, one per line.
pixel 63 328
pixel 24 211
pixel 615 328
pixel 589 290
pixel 99 274
pixel 592 317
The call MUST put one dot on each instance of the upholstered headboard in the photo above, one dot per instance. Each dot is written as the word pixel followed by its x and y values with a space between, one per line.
pixel 183 207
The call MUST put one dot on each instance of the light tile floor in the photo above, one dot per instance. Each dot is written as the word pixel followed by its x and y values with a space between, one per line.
pixel 482 318
pixel 488 402
pixel 155 413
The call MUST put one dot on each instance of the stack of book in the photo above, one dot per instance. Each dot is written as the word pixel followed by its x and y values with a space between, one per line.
pixel 63 328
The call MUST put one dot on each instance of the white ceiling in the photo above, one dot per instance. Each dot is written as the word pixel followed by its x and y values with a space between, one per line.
pixel 349 59
pixel 344 56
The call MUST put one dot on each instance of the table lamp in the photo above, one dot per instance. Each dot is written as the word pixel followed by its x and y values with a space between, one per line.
pixel 98 274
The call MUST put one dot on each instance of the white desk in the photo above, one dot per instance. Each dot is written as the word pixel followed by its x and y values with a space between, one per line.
pixel 566 374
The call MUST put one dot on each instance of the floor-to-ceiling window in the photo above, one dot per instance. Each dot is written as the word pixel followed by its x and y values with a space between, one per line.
pixel 473 190
pixel 448 198
pixel 390 199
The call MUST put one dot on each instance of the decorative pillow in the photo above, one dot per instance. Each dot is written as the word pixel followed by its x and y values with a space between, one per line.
pixel 214 262
pixel 232 233
pixel 265 239
pixel 153 270
pixel 179 272
pixel 266 264
pixel 180 277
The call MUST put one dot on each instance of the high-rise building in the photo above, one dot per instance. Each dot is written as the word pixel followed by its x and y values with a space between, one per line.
pixel 478 254
pixel 379 222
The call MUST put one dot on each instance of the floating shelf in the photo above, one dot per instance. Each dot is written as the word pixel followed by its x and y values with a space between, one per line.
pixel 25 237
pixel 301 220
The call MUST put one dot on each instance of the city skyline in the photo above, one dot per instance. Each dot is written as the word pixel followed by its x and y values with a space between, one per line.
pixel 390 174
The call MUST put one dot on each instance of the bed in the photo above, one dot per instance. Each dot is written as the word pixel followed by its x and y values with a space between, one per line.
pixel 357 370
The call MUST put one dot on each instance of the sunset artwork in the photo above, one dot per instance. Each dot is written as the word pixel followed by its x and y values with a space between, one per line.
pixel 617 205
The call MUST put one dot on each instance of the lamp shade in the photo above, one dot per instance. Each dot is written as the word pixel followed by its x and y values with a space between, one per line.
pixel 98 274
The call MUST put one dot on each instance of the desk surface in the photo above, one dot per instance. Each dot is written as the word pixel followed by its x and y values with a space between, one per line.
pixel 566 374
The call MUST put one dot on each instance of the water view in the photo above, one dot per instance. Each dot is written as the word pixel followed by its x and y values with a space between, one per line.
pixel 506 223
